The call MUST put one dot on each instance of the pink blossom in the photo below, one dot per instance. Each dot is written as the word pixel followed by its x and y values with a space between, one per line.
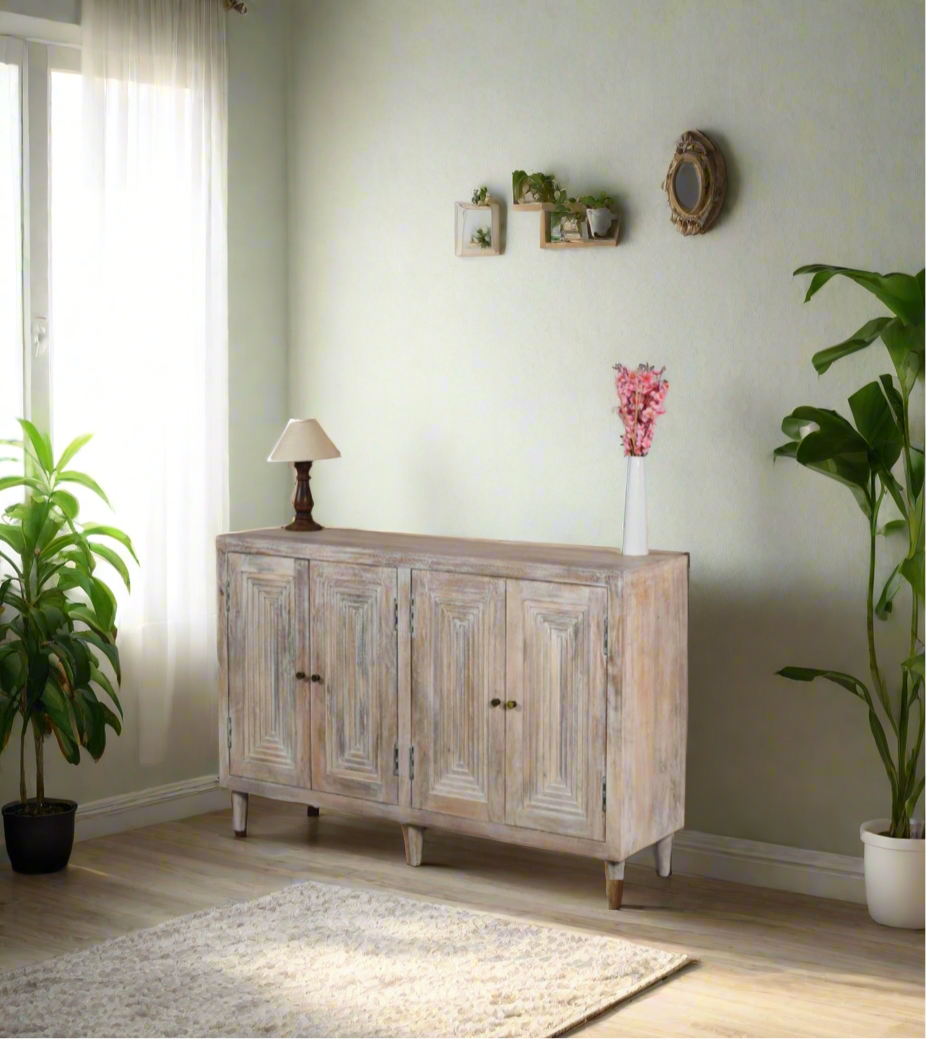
pixel 641 393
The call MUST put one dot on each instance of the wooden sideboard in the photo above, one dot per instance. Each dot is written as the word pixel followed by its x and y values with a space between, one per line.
pixel 533 694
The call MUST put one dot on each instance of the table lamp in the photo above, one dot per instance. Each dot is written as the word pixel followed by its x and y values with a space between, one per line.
pixel 302 443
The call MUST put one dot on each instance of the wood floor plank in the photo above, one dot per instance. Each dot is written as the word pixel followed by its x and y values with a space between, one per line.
pixel 769 963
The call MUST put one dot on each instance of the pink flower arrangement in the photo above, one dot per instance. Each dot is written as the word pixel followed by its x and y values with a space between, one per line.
pixel 641 393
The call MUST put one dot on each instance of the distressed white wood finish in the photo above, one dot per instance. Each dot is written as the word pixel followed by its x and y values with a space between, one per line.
pixel 458 669
pixel 354 656
pixel 269 718
pixel 646 745
pixel 555 717
pixel 591 647
pixel 662 853
pixel 239 813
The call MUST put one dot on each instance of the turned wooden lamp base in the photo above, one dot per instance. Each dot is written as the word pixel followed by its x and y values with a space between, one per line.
pixel 302 501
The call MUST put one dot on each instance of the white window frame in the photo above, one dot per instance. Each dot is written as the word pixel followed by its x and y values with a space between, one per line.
pixel 38 59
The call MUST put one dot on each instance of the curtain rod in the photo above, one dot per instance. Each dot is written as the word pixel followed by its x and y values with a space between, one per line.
pixel 238 6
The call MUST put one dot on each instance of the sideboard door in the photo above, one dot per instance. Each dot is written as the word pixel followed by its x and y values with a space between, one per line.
pixel 353 675
pixel 268 715
pixel 555 735
pixel 458 670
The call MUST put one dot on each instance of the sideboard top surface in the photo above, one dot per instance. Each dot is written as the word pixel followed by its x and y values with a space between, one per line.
pixel 426 551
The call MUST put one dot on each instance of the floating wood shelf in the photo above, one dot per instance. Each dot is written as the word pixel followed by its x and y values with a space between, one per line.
pixel 609 241
pixel 528 207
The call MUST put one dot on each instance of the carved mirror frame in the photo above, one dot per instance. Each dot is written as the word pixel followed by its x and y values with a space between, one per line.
pixel 698 149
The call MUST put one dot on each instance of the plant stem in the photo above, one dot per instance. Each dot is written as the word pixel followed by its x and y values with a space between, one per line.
pixel 39 765
pixel 876 678
pixel 23 794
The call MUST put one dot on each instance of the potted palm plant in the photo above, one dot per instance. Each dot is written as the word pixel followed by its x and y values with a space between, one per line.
pixel 57 642
pixel 863 455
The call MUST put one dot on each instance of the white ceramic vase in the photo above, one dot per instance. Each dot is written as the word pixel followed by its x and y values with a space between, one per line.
pixel 599 220
pixel 895 879
pixel 635 540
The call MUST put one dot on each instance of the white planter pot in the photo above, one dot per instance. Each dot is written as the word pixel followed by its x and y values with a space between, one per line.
pixel 635 536
pixel 895 879
pixel 599 220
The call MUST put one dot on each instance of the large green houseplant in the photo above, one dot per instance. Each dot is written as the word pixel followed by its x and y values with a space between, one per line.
pixel 57 627
pixel 875 458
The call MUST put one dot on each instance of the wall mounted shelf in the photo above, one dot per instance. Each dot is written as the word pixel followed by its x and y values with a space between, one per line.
pixel 608 241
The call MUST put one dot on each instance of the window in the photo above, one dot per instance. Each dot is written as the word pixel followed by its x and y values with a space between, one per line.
pixel 113 322
pixel 11 251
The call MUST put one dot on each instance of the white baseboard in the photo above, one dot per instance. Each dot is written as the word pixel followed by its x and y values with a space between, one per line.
pixel 821 873
pixel 697 854
pixel 158 804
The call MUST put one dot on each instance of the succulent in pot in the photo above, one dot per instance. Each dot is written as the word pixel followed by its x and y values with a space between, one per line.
pixel 57 641
pixel 874 457
pixel 598 213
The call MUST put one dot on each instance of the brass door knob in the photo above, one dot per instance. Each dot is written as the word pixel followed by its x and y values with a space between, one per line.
pixel 316 678
pixel 495 702
pixel 300 675
pixel 510 706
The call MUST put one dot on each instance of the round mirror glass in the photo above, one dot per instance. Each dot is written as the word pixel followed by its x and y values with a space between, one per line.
pixel 688 186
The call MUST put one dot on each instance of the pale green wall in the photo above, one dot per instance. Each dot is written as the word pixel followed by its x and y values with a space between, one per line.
pixel 474 397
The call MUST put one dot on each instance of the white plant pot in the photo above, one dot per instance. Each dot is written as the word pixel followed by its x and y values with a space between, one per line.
pixel 895 879
pixel 635 538
pixel 599 220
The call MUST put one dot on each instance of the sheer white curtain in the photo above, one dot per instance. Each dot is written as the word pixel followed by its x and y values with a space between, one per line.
pixel 139 290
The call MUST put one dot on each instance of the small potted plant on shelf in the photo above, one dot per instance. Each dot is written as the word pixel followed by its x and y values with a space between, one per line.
pixel 863 455
pixel 598 213
pixel 566 217
pixel 533 188
pixel 57 641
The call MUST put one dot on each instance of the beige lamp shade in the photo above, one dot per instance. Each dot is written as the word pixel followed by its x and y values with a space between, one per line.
pixel 303 440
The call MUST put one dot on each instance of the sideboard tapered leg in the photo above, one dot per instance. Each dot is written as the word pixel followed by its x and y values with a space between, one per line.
pixel 414 844
pixel 311 811
pixel 662 850
pixel 614 883
pixel 240 814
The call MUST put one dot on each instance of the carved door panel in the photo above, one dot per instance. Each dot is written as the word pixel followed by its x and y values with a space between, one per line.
pixel 555 736
pixel 458 670
pixel 267 706
pixel 353 675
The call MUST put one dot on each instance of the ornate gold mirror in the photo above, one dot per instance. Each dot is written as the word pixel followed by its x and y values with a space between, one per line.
pixel 696 183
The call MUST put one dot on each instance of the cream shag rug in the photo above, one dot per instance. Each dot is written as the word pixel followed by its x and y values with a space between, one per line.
pixel 321 960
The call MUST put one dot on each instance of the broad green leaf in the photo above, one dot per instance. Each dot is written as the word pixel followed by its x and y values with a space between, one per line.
pixel 9 707
pixel 40 446
pixel 916 471
pixel 108 649
pixel 96 675
pixel 80 612
pixel 864 337
pixel 32 525
pixel 891 587
pixel 72 476
pixel 900 293
pixel 75 445
pixel 894 399
pixel 915 796
pixel 101 530
pixel 905 345
pixel 913 570
pixel 915 664
pixel 20 481
pixel 788 450
pixel 13 536
pixel 66 502
pixel 840 678
pixel 114 559
pixel 895 526
pixel 55 706
pixel 875 422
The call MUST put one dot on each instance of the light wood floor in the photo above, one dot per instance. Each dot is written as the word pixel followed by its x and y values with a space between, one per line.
pixel 770 964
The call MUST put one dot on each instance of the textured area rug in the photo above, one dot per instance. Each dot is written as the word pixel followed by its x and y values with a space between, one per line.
pixel 322 960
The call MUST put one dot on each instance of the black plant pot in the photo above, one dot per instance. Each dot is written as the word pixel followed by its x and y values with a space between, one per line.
pixel 39 843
